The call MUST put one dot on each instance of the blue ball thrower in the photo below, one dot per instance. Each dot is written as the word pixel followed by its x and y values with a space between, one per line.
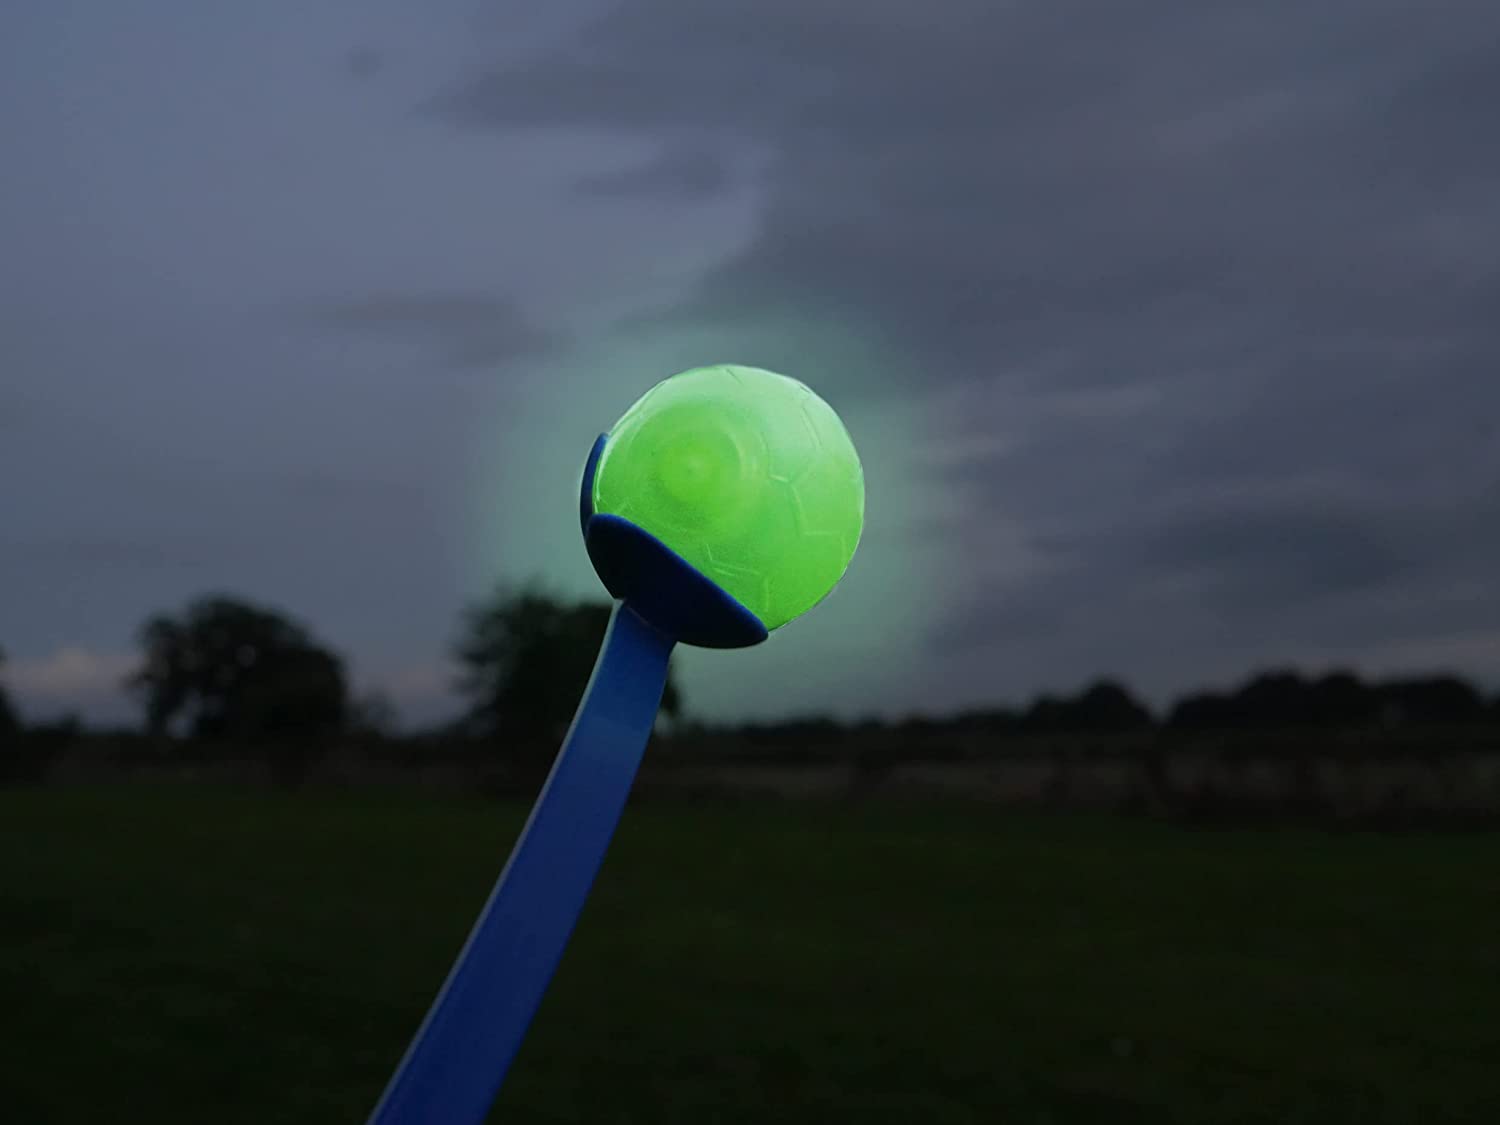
pixel 701 447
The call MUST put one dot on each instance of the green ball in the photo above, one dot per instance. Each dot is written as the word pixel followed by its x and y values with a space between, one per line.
pixel 747 475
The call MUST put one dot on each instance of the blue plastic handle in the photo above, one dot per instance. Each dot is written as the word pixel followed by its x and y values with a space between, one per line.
pixel 453 1068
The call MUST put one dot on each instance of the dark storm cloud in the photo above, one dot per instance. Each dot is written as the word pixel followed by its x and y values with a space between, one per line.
pixel 465 330
pixel 1246 577
pixel 1281 220
pixel 1264 553
pixel 1173 324
pixel 1176 178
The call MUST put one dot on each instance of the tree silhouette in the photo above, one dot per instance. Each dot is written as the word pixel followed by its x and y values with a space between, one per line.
pixel 1285 699
pixel 230 670
pixel 525 660
pixel 373 715
pixel 1430 700
pixel 1104 707
pixel 1203 710
pixel 1047 714
pixel 1341 699
pixel 984 720
pixel 10 723
pixel 1273 699
pixel 1107 707
pixel 1278 700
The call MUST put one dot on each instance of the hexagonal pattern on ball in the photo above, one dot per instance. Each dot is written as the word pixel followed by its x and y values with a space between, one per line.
pixel 749 476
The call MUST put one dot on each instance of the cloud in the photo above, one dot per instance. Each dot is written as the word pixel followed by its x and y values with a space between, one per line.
pixel 94 553
pixel 677 174
pixel 422 692
pixel 464 330
pixel 340 491
pixel 418 684
pixel 19 411
pixel 363 63
pixel 71 676
pixel 1199 298
pixel 1181 184
pixel 1446 651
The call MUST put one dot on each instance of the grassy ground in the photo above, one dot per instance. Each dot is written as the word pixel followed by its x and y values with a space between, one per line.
pixel 210 957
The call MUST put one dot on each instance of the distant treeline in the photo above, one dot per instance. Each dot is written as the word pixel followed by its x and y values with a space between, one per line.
pixel 1278 700
pixel 230 673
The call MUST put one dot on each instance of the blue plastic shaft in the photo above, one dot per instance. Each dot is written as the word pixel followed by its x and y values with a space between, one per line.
pixel 453 1068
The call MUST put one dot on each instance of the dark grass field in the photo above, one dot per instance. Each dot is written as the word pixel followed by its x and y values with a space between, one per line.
pixel 201 957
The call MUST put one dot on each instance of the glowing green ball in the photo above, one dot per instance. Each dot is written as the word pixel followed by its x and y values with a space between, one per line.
pixel 747 475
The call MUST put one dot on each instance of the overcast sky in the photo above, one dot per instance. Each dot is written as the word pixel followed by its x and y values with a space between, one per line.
pixel 1169 332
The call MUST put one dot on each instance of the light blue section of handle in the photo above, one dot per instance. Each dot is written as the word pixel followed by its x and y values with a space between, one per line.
pixel 454 1066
